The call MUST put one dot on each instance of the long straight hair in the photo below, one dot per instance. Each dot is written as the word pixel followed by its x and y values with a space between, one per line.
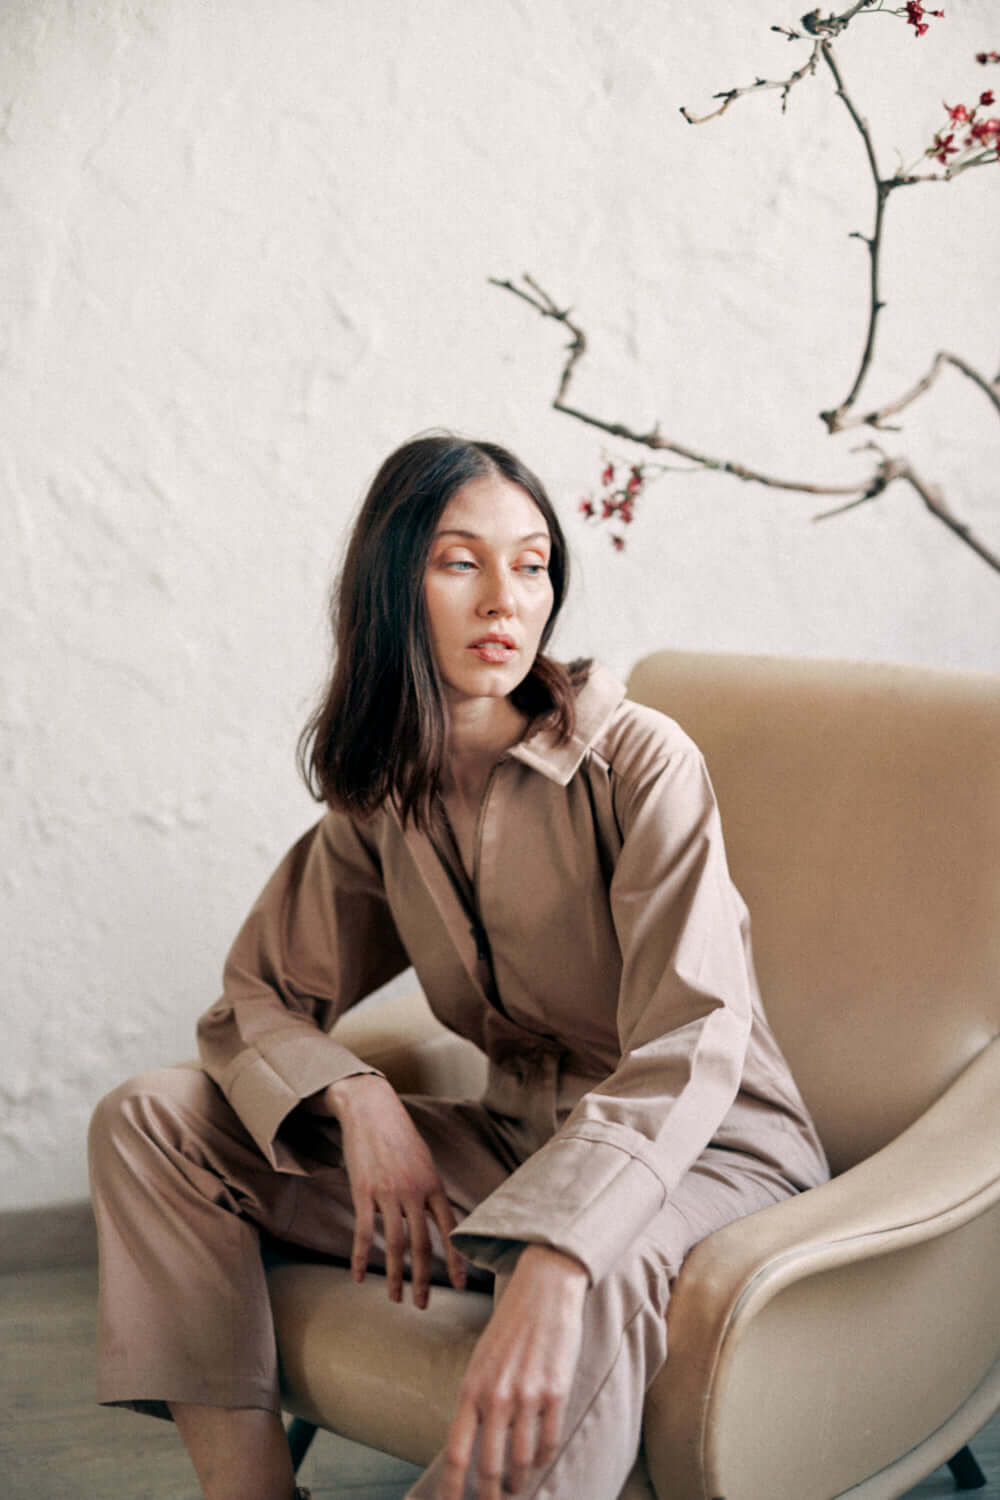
pixel 379 730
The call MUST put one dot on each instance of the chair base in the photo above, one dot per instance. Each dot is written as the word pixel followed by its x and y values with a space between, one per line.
pixel 965 1470
pixel 301 1433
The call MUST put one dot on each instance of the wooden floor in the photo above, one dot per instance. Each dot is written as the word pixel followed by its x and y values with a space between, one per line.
pixel 56 1444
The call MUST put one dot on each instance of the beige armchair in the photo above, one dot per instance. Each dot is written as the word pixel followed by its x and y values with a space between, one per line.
pixel 846 1341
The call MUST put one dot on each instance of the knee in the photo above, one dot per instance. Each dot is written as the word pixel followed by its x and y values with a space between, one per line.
pixel 135 1109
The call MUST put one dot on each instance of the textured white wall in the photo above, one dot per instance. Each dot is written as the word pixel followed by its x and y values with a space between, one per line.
pixel 243 253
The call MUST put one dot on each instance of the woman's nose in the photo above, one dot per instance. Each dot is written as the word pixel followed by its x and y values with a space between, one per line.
pixel 498 595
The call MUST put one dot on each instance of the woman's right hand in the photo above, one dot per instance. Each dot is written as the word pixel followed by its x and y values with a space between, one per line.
pixel 392 1173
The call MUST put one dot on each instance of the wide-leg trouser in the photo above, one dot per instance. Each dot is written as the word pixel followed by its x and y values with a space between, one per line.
pixel 181 1193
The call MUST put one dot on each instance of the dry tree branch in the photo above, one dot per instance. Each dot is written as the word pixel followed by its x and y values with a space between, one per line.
pixel 818 26
pixel 836 418
pixel 759 86
pixel 935 502
pixel 888 471
pixel 540 300
pixel 833 417
pixel 892 469
pixel 876 418
pixel 823 29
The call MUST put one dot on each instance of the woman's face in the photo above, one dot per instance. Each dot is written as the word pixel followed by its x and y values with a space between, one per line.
pixel 487 588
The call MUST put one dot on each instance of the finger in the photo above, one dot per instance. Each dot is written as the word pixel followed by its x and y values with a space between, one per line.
pixel 493 1446
pixel 394 1233
pixel 524 1445
pixel 420 1252
pixel 550 1429
pixel 364 1233
pixel 458 1450
pixel 445 1221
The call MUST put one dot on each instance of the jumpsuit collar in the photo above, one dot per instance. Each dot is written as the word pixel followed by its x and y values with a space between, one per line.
pixel 596 702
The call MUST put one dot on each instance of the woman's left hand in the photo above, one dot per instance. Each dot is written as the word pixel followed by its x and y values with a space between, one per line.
pixel 515 1389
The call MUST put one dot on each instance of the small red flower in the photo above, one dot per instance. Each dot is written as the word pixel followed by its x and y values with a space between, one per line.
pixel 587 508
pixel 957 113
pixel 634 485
pixel 988 57
pixel 944 146
pixel 608 509
pixel 608 474
pixel 618 542
pixel 987 97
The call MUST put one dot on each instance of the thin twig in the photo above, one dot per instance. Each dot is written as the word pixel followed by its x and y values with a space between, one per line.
pixel 759 86
pixel 892 469
pixel 936 504
pixel 819 27
pixel 883 187
pixel 540 300
pixel 876 419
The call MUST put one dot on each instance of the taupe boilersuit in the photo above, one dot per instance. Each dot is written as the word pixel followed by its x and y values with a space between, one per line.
pixel 637 1099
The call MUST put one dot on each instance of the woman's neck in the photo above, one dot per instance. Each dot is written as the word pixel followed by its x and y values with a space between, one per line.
pixel 479 731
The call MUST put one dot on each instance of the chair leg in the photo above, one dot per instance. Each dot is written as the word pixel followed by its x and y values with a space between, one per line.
pixel 300 1435
pixel 966 1472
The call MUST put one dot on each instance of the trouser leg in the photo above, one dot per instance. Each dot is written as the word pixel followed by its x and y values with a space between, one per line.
pixel 625 1335
pixel 178 1190
pixel 180 1193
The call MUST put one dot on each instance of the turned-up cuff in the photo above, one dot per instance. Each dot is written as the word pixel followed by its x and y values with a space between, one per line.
pixel 266 1082
pixel 584 1193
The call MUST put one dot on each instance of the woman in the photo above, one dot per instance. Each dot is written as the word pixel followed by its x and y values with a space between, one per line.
pixel 548 856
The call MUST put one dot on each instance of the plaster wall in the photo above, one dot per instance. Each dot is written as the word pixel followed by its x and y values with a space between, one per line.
pixel 244 251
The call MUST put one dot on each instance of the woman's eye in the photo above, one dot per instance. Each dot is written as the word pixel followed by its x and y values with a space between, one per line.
pixel 532 569
pixel 459 564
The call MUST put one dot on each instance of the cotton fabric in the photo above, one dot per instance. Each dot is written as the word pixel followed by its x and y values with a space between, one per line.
pixel 600 957
pixel 619 949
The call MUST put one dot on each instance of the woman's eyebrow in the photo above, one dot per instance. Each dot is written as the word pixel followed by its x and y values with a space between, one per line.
pixel 477 536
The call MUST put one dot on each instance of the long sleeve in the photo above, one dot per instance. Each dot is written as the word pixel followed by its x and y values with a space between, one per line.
pixel 319 938
pixel 685 1010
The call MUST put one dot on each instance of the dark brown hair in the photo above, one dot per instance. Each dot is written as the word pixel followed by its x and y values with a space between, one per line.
pixel 379 730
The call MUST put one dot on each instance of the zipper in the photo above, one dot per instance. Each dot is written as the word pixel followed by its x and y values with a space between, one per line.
pixel 477 837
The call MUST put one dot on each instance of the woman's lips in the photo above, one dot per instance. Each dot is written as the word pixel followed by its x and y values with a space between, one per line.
pixel 496 652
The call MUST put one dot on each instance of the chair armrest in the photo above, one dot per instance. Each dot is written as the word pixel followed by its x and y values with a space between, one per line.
pixel 779 1311
pixel 941 1171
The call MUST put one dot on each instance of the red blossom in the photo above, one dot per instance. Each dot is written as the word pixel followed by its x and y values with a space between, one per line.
pixel 987 97
pixel 618 542
pixel 944 146
pixel 988 57
pixel 608 474
pixel 915 16
pixel 958 113
pixel 608 509
pixel 587 507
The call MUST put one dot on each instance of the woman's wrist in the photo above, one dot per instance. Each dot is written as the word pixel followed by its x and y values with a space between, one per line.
pixel 558 1264
pixel 336 1097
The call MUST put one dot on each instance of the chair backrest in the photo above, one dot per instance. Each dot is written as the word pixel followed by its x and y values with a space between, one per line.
pixel 861 807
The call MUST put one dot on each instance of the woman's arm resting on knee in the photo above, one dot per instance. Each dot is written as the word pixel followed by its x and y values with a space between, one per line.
pixel 518 1380
pixel 392 1173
